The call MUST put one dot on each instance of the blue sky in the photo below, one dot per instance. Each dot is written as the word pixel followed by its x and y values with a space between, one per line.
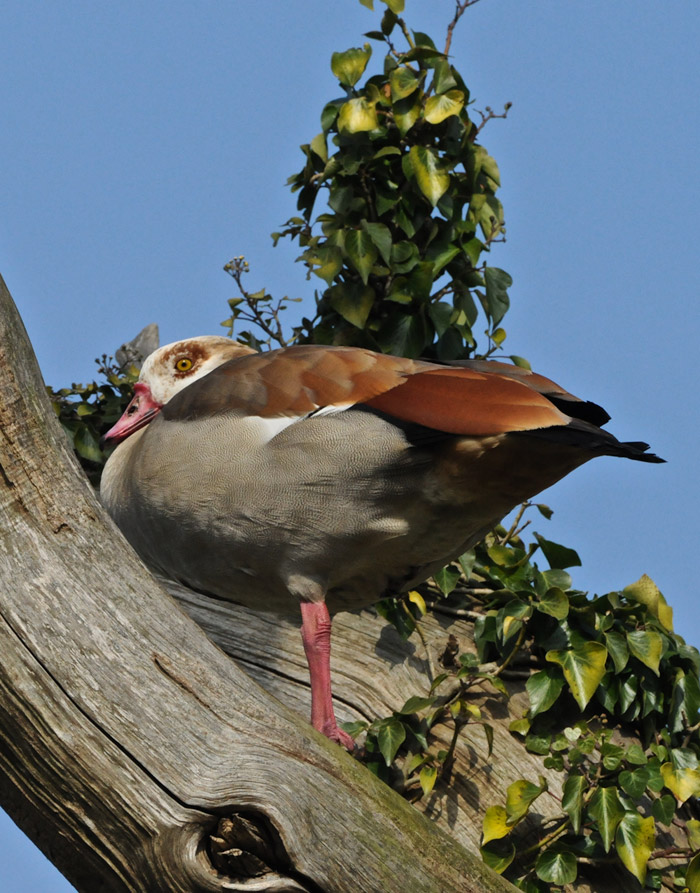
pixel 142 145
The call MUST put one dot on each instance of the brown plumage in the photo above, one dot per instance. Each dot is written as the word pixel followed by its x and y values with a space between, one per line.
pixel 331 474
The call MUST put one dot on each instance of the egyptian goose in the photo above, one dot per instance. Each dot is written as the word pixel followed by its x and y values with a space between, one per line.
pixel 331 476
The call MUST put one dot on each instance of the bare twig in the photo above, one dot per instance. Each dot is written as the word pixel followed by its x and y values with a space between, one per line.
pixel 460 8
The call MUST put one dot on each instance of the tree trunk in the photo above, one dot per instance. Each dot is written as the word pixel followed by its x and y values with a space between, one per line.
pixel 132 750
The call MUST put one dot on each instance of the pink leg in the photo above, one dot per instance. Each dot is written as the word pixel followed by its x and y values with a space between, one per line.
pixel 316 636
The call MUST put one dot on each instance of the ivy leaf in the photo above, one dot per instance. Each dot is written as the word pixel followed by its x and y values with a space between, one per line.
pixel 664 809
pixel 543 688
pixel 357 116
pixel 497 301
pixel 555 603
pixel 634 842
pixel 349 66
pixel 607 810
pixel 646 592
pixel 647 646
pixel 86 444
pixel 496 824
pixel 361 250
pixel 617 649
pixel 498 856
pixel 520 796
pixel 557 556
pixel 380 234
pixel 446 579
pixel 572 801
pixel 692 827
pixel 692 874
pixel 406 112
pixel 682 780
pixel 403 82
pixel 556 866
pixel 396 6
pixel 444 105
pixel 352 302
pixel 427 779
pixel 391 734
pixel 431 176
pixel 583 667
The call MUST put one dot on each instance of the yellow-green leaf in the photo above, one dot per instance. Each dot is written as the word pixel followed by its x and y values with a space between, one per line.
pixel 647 646
pixel 437 108
pixel 692 874
pixel 349 66
pixel 692 828
pixel 318 145
pixel 396 6
pixel 418 600
pixel 520 796
pixel 353 303
pixel 403 82
pixel 682 781
pixel 431 176
pixel 406 112
pixel 495 824
pixel 646 592
pixel 583 668
pixel 357 116
pixel 634 842
pixel 427 778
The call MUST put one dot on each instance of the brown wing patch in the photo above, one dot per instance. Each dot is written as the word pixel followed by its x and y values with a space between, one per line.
pixel 291 381
pixel 464 401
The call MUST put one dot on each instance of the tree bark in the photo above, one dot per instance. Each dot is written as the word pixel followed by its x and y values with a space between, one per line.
pixel 132 750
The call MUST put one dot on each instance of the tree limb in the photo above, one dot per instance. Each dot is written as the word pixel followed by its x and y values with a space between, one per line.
pixel 126 735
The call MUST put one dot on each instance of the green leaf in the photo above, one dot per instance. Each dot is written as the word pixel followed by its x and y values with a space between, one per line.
pixel 618 650
pixel 572 800
pixel 396 6
pixel 497 855
pixel 583 667
pixel 646 592
pixel 692 874
pixel 555 603
pixel 368 3
pixel 444 77
pixel 349 66
pixel 446 579
pixel 86 445
pixel 647 646
pixel 427 778
pixel 520 796
pixel 390 736
pixel 607 810
pixel 497 284
pixel 496 824
pixel 380 234
pixel 352 302
pixel 556 866
pixel 416 703
pixel 634 842
pixel 403 82
pixel 361 251
pixel 543 688
pixel 444 105
pixel 557 556
pixel 431 176
pixel 664 809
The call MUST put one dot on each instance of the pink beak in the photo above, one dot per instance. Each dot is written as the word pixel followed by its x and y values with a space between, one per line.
pixel 142 409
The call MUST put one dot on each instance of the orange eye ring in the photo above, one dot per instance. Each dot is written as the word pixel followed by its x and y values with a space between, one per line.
pixel 184 364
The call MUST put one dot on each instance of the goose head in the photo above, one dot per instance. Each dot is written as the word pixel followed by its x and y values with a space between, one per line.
pixel 166 372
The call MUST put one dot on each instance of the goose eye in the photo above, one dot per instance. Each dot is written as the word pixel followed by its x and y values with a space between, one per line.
pixel 184 364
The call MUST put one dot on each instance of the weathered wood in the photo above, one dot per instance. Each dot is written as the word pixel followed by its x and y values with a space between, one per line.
pixel 125 734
